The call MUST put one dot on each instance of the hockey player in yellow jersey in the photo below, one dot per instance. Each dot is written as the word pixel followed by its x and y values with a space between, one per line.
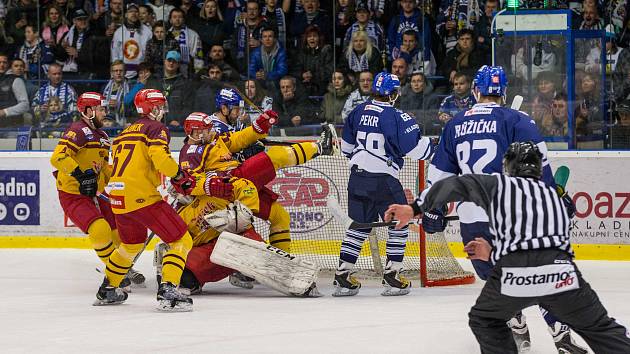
pixel 205 151
pixel 82 171
pixel 140 154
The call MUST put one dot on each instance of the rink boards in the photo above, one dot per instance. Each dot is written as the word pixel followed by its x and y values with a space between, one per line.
pixel 30 215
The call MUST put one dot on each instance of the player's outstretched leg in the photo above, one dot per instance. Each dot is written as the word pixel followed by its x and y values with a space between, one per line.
pixel 109 295
pixel 345 284
pixel 520 332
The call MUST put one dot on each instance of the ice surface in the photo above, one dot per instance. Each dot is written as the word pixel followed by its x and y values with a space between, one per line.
pixel 46 298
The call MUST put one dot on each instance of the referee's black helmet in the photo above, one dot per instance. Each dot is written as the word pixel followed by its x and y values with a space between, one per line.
pixel 523 159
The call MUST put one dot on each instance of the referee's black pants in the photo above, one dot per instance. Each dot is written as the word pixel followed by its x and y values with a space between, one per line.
pixel 580 309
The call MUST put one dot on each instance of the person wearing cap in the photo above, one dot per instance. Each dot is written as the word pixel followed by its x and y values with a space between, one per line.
pixel 83 54
pixel 365 23
pixel 130 41
pixel 593 59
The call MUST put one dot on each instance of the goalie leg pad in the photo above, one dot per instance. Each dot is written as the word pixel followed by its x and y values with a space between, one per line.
pixel 269 265
pixel 199 264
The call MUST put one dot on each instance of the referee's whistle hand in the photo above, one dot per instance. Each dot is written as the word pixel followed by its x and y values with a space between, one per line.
pixel 402 213
pixel 478 248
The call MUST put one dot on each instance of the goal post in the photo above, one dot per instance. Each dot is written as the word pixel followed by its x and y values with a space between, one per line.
pixel 303 191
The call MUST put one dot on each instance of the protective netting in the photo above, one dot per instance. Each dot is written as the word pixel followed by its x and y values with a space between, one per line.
pixel 317 236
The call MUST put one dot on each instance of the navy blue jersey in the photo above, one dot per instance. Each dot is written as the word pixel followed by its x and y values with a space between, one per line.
pixel 221 127
pixel 376 137
pixel 475 142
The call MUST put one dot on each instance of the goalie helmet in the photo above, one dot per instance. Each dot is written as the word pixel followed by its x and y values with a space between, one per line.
pixel 523 159
pixel 490 81
pixel 151 103
pixel 197 120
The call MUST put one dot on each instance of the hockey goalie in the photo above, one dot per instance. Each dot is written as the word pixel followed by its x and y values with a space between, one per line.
pixel 224 241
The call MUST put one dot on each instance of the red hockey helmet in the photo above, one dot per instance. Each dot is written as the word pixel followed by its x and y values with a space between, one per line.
pixel 197 120
pixel 90 99
pixel 147 100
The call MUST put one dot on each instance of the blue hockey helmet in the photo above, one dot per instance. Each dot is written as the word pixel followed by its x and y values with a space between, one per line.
pixel 385 84
pixel 491 81
pixel 228 97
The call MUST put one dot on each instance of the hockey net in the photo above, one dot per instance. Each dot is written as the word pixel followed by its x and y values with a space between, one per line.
pixel 317 236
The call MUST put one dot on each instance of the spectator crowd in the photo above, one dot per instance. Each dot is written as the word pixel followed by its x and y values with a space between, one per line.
pixel 311 61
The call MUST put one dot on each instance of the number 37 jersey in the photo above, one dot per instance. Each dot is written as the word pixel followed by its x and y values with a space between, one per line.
pixel 475 142
pixel 376 137
pixel 140 153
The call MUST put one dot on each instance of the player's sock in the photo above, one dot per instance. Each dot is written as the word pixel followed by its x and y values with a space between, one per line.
pixel 115 238
pixel 352 244
pixel 120 261
pixel 394 283
pixel 100 235
pixel 396 242
pixel 296 154
pixel 564 342
pixel 279 235
pixel 520 332
pixel 174 259
pixel 345 284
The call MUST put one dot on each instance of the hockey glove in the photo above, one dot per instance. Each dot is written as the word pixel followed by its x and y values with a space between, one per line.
pixel 219 187
pixel 434 221
pixel 265 121
pixel 183 182
pixel 88 181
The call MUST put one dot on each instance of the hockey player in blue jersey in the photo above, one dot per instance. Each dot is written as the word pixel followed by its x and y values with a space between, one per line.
pixel 230 107
pixel 376 137
pixel 474 141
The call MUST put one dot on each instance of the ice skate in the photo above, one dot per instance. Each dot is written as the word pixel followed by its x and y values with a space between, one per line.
pixel 562 339
pixel 395 284
pixel 326 142
pixel 109 295
pixel 345 284
pixel 240 280
pixel 137 279
pixel 520 332
pixel 170 299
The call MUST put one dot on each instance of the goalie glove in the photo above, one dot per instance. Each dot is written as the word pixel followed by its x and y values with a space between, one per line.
pixel 265 121
pixel 235 218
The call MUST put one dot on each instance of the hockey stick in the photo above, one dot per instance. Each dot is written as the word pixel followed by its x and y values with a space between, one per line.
pixel 517 101
pixel 348 223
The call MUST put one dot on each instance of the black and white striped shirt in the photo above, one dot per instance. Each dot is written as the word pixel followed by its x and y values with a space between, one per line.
pixel 524 213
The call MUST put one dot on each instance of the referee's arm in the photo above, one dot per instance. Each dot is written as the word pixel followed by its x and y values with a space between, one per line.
pixel 475 188
pixel 479 189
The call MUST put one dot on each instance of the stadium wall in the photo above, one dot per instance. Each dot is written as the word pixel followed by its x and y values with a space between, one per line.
pixel 31 217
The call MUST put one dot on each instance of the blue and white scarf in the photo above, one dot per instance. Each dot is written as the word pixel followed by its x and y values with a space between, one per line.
pixel 117 92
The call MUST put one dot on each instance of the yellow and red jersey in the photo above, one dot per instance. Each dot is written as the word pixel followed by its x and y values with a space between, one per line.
pixel 140 153
pixel 83 147
pixel 218 154
pixel 193 213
